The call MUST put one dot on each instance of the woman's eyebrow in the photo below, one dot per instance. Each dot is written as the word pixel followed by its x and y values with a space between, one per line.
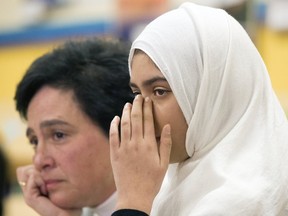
pixel 149 81
pixel 52 122
pixel 46 124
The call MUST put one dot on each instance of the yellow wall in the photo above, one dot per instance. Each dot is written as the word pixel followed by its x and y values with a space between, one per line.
pixel 273 47
pixel 14 60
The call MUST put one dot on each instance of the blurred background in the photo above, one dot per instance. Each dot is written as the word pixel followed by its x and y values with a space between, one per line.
pixel 29 28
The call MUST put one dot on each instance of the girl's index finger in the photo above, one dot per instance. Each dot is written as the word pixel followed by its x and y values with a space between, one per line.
pixel 148 119
pixel 126 123
pixel 114 134
pixel 137 117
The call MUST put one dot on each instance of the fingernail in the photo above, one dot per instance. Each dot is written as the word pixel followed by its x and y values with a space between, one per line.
pixel 147 99
pixel 168 129
pixel 115 118
pixel 127 105
pixel 138 96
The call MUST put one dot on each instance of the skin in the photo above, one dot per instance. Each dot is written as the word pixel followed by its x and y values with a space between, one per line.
pixel 71 166
pixel 151 128
pixel 147 80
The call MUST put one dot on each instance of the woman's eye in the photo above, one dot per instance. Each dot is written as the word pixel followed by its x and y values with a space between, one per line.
pixel 59 135
pixel 33 141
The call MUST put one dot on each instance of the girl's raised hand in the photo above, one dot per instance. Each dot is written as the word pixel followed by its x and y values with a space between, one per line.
pixel 139 163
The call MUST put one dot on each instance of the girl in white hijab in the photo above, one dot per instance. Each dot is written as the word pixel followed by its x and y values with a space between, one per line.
pixel 235 132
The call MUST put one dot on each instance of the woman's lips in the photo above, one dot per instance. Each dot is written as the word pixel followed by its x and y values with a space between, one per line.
pixel 52 184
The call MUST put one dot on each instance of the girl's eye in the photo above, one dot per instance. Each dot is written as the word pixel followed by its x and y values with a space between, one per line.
pixel 135 92
pixel 160 92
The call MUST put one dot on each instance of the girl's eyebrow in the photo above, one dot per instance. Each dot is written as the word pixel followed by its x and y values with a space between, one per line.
pixel 149 81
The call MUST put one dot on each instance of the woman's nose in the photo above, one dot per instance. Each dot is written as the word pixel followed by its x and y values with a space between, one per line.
pixel 42 159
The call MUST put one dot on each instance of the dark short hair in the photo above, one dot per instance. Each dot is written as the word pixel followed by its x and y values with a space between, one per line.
pixel 96 70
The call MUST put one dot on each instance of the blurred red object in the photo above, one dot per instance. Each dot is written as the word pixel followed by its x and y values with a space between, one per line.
pixel 129 10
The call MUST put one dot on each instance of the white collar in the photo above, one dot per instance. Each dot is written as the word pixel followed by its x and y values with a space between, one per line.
pixel 104 209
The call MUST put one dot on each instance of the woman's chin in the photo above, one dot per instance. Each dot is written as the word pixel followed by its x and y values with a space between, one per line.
pixel 65 202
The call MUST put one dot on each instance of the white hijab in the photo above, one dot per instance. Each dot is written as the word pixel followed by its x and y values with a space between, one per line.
pixel 237 137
